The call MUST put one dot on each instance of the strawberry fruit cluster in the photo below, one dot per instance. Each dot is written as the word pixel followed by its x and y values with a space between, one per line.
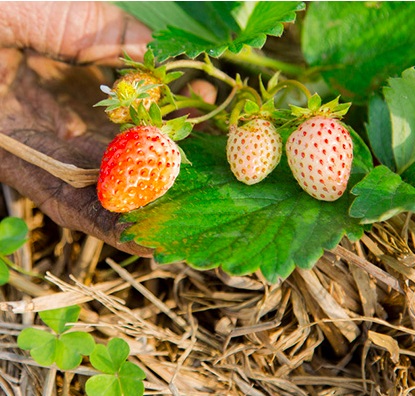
pixel 142 162
pixel 319 151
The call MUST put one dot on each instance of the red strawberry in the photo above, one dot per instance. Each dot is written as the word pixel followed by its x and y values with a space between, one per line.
pixel 253 150
pixel 320 154
pixel 138 166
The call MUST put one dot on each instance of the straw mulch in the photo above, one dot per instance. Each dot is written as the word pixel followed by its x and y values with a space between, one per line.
pixel 346 327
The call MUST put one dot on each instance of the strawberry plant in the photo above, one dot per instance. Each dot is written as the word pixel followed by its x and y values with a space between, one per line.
pixel 290 169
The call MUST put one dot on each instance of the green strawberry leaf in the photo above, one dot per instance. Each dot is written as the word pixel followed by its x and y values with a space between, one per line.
pixel 380 195
pixel 209 219
pixel 192 28
pixel 399 96
pixel 57 319
pixel 4 272
pixel 335 37
pixel 408 175
pixel 379 131
pixel 13 234
pixel 177 128
pixel 42 345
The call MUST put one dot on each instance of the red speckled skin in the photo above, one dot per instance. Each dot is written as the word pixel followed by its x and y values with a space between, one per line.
pixel 320 154
pixel 138 167
pixel 253 150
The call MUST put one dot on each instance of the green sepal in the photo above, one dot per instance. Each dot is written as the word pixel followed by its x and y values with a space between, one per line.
pixel 134 115
pixel 177 128
pixel 300 111
pixel 274 80
pixel 155 115
pixel 341 110
pixel 264 93
pixel 149 60
pixel 334 109
pixel 160 73
pixel 172 76
pixel 123 72
pixel 128 61
pixel 315 108
pixel 167 97
pixel 314 102
pixel 107 102
pixel 251 107
pixel 268 108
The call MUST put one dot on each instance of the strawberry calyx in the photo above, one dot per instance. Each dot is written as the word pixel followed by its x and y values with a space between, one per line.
pixel 332 109
pixel 246 110
pixel 125 94
pixel 160 73
pixel 138 83
pixel 149 66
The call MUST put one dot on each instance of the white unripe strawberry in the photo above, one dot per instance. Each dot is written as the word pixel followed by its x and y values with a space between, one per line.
pixel 320 154
pixel 253 150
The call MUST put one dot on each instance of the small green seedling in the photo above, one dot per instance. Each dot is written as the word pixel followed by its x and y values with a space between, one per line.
pixel 13 235
pixel 120 377
pixel 64 348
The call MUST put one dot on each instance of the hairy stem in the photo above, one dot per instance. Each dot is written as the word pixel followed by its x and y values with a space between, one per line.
pixel 198 120
pixel 293 83
pixel 255 58
pixel 185 103
pixel 208 68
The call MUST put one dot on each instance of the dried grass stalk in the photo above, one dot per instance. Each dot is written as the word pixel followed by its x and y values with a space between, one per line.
pixel 71 174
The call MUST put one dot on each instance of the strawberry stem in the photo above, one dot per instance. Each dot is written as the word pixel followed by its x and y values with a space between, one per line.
pixel 248 55
pixel 198 120
pixel 208 68
pixel 236 112
pixel 185 103
pixel 293 83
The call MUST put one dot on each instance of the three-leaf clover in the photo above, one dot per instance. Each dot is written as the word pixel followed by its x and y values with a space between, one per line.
pixel 63 347
pixel 13 234
pixel 120 377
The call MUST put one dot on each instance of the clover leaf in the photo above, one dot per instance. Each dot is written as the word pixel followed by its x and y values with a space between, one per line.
pixel 63 348
pixel 13 235
pixel 120 377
